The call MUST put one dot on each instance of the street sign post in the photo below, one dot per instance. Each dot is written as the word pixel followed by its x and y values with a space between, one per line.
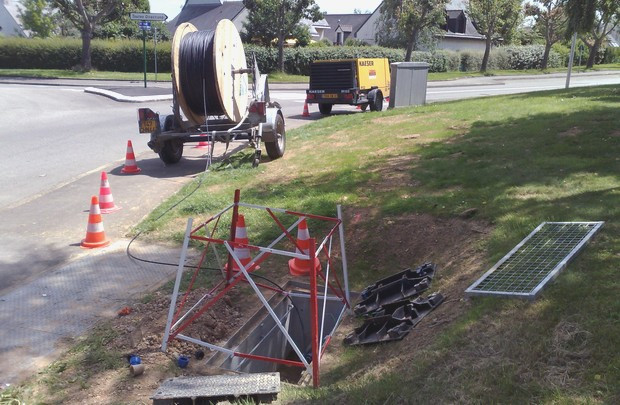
pixel 144 22
pixel 148 16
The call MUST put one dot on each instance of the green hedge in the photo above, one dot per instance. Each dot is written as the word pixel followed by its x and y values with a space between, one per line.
pixel 65 53
pixel 126 56
pixel 511 58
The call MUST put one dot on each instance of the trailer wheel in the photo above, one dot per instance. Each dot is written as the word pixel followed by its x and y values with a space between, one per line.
pixel 276 148
pixel 172 151
pixel 376 103
pixel 325 109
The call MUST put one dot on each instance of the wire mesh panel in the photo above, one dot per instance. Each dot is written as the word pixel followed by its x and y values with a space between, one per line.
pixel 536 260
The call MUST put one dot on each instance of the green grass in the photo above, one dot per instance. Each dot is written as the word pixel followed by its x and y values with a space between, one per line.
pixel 279 77
pixel 518 160
pixel 74 371
pixel 71 74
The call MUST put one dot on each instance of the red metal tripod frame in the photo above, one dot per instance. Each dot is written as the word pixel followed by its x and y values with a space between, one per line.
pixel 233 232
pixel 232 279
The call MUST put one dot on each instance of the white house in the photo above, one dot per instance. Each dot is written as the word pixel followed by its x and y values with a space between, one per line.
pixel 460 32
pixel 10 24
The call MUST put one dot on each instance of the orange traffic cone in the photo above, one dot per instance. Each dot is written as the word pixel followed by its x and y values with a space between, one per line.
pixel 106 200
pixel 306 113
pixel 130 161
pixel 95 235
pixel 243 253
pixel 300 267
pixel 202 144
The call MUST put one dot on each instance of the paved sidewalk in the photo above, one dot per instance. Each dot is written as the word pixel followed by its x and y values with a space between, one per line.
pixel 57 291
pixel 39 318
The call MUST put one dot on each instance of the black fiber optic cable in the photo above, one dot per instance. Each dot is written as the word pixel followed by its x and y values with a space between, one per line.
pixel 197 74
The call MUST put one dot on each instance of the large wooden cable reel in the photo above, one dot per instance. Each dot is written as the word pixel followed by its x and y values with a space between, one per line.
pixel 228 57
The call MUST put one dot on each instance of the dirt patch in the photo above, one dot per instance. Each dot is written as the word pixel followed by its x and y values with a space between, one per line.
pixel 570 133
pixel 398 242
pixel 394 174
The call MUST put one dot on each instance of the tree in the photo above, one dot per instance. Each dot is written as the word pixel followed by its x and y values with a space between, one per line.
pixel 494 19
pixel 410 19
pixel 551 22
pixel 606 19
pixel 581 14
pixel 119 25
pixel 270 20
pixel 86 15
pixel 38 17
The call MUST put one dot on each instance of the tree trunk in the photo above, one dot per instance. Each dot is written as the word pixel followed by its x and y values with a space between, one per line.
pixel 281 51
pixel 87 34
pixel 409 50
pixel 487 52
pixel 545 59
pixel 593 51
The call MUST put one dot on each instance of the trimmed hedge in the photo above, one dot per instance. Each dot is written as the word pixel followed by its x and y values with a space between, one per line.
pixel 126 56
pixel 65 53
pixel 511 58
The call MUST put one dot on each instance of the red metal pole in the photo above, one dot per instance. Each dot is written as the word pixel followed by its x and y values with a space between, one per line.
pixel 233 232
pixel 314 319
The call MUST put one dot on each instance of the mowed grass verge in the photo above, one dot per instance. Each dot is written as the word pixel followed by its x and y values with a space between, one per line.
pixel 504 163
pixel 516 161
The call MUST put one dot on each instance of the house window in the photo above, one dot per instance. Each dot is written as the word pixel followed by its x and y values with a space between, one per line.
pixel 339 40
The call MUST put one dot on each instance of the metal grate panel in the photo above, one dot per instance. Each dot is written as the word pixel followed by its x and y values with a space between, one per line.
pixel 536 260
pixel 219 386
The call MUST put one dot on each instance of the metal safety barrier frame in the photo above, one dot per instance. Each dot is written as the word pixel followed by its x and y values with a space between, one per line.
pixel 178 320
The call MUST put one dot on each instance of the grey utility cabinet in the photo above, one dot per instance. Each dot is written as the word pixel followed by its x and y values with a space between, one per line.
pixel 408 83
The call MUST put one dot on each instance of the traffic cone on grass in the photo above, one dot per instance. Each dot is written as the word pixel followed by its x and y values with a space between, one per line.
pixel 243 253
pixel 130 161
pixel 300 267
pixel 106 200
pixel 306 113
pixel 95 235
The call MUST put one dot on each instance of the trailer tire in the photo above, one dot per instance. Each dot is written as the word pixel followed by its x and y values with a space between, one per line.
pixel 275 149
pixel 376 104
pixel 172 151
pixel 325 108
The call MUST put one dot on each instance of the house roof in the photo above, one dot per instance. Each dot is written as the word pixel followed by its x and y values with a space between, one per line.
pixel 470 30
pixel 352 23
pixel 206 16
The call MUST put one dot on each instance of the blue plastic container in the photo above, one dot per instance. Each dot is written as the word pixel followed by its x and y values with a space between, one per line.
pixel 183 361
pixel 133 360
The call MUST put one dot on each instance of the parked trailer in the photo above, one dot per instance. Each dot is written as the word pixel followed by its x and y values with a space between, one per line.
pixel 242 115
pixel 362 81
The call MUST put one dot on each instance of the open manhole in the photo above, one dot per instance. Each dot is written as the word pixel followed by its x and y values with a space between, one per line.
pixel 261 337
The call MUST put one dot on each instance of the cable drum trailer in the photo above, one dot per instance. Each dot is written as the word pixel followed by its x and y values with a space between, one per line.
pixel 211 98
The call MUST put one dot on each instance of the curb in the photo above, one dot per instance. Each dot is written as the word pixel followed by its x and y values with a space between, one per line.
pixel 126 99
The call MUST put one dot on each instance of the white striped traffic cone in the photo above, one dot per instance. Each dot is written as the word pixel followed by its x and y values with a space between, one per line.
pixel 130 161
pixel 300 267
pixel 106 200
pixel 243 253
pixel 95 235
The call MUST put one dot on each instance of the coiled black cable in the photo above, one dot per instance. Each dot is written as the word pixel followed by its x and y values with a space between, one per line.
pixel 197 73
